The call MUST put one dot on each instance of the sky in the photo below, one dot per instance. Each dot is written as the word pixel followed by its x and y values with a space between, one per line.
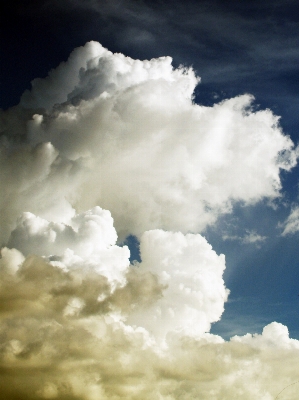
pixel 149 210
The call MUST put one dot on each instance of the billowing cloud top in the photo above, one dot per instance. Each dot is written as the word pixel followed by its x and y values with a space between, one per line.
pixel 77 320
pixel 105 129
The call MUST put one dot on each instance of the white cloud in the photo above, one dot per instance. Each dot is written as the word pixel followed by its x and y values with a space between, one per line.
pixel 126 135
pixel 291 224
pixel 55 88
pixel 35 179
pixel 272 334
pixel 87 241
pixel 250 237
pixel 253 237
pixel 76 321
pixel 191 272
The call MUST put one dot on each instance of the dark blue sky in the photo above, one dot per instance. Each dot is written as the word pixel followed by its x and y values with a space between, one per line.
pixel 235 47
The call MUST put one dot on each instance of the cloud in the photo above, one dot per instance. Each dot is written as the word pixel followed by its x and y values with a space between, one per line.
pixel 77 321
pixel 191 272
pixel 125 134
pixel 82 291
pixel 181 275
pixel 291 224
pixel 250 237
pixel 253 237
pixel 36 179
pixel 89 239
pixel 55 88
pixel 246 42
pixel 67 333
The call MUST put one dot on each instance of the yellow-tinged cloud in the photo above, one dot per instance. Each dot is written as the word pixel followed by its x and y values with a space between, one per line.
pixel 65 335
pixel 69 330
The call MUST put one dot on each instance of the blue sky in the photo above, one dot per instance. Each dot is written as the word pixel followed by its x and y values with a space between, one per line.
pixel 235 48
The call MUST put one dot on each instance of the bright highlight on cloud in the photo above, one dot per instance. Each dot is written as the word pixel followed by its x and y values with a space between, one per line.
pixel 103 129
pixel 88 241
pixel 191 273
pixel 105 132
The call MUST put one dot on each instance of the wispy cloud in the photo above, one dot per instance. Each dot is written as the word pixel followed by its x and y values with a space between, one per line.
pixel 291 224
pixel 244 38
pixel 250 237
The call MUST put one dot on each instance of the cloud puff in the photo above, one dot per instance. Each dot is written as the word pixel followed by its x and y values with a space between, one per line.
pixel 36 179
pixel 54 89
pixel 88 241
pixel 191 273
pixel 125 134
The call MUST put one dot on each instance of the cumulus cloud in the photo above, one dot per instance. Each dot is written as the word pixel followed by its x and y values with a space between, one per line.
pixel 54 89
pixel 191 272
pixel 36 179
pixel 77 320
pixel 125 134
pixel 66 306
pixel 181 274
pixel 87 241
pixel 68 333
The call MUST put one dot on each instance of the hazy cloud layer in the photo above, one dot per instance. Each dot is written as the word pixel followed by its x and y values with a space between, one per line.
pixel 77 321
